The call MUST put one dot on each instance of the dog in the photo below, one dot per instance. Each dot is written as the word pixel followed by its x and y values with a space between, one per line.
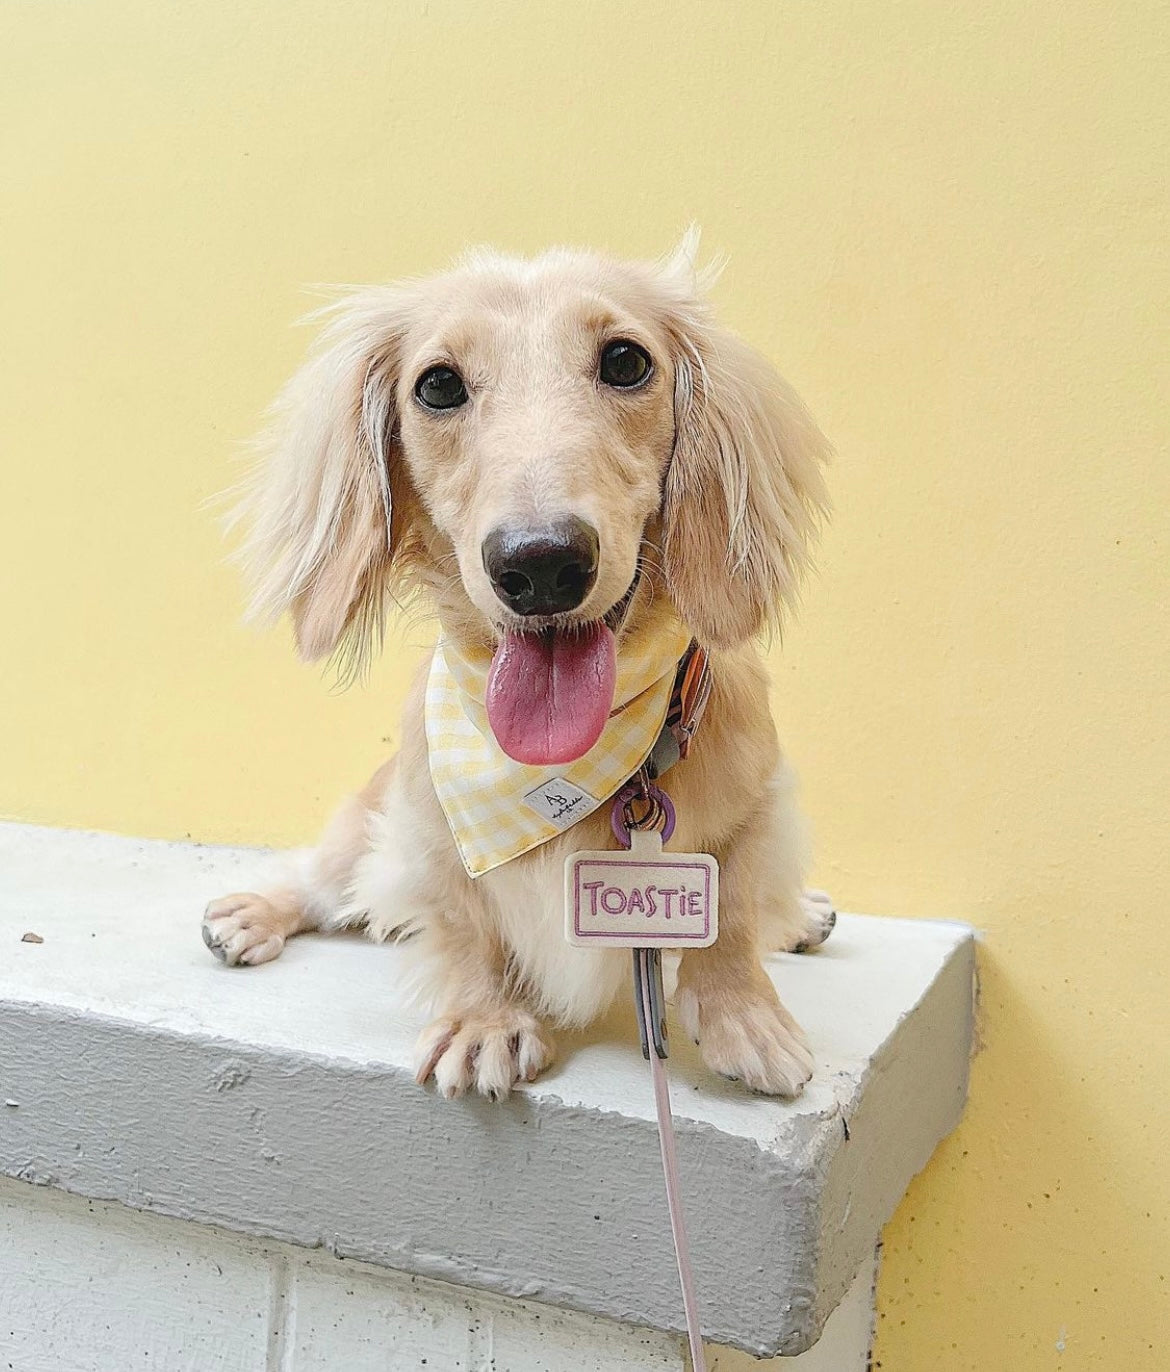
pixel 578 469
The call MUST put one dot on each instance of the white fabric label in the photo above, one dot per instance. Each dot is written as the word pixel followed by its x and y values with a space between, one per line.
pixel 643 898
pixel 560 802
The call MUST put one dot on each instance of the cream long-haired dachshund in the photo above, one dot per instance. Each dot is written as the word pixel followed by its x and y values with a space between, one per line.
pixel 581 470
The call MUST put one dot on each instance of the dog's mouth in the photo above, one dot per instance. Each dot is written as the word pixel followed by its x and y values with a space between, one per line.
pixel 550 689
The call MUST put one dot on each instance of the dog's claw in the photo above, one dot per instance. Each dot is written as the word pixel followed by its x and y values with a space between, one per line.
pixel 213 943
pixel 428 1064
pixel 822 920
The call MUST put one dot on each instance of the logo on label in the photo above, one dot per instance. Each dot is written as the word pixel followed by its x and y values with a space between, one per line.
pixel 560 802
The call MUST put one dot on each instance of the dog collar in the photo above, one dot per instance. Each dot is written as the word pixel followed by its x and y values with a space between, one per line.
pixel 688 701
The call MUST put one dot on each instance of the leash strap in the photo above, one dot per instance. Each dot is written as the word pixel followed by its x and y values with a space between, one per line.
pixel 692 690
pixel 652 1023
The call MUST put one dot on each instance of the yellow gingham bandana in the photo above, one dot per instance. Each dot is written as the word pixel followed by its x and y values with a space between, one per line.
pixel 498 808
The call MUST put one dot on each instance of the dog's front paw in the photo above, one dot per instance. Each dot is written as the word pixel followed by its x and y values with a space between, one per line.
pixel 488 1053
pixel 243 928
pixel 748 1036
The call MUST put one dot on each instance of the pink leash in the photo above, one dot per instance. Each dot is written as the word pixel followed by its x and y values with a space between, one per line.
pixel 692 688
pixel 648 987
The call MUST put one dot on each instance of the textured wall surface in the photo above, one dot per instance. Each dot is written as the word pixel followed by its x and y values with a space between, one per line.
pixel 205 1300
pixel 948 226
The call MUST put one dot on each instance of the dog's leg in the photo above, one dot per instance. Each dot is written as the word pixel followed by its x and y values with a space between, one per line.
pixel 725 999
pixel 251 926
pixel 486 1039
pixel 791 920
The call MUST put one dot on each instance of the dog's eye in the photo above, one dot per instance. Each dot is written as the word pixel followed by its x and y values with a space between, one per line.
pixel 624 364
pixel 440 388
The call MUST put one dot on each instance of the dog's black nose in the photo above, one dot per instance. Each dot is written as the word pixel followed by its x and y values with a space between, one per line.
pixel 542 571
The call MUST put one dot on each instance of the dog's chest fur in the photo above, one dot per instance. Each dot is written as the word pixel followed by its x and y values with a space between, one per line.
pixel 409 879
pixel 574 985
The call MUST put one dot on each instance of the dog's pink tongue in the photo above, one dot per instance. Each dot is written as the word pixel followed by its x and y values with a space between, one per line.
pixel 549 695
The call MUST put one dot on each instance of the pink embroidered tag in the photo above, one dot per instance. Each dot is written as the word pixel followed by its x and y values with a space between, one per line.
pixel 642 898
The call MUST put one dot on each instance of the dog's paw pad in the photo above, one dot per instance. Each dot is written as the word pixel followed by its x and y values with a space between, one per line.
pixel 242 929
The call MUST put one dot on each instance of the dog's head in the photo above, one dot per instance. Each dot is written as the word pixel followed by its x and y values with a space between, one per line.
pixel 545 445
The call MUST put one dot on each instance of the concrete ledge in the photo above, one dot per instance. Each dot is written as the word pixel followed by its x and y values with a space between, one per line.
pixel 278 1102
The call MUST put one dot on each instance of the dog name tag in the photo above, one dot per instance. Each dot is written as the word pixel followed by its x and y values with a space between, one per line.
pixel 641 898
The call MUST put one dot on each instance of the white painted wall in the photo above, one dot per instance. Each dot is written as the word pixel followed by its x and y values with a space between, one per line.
pixel 91 1286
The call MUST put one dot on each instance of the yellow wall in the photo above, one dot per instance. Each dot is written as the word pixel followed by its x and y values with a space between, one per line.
pixel 948 224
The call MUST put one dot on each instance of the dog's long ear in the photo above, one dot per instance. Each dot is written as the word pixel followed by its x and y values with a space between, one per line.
pixel 744 494
pixel 323 533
